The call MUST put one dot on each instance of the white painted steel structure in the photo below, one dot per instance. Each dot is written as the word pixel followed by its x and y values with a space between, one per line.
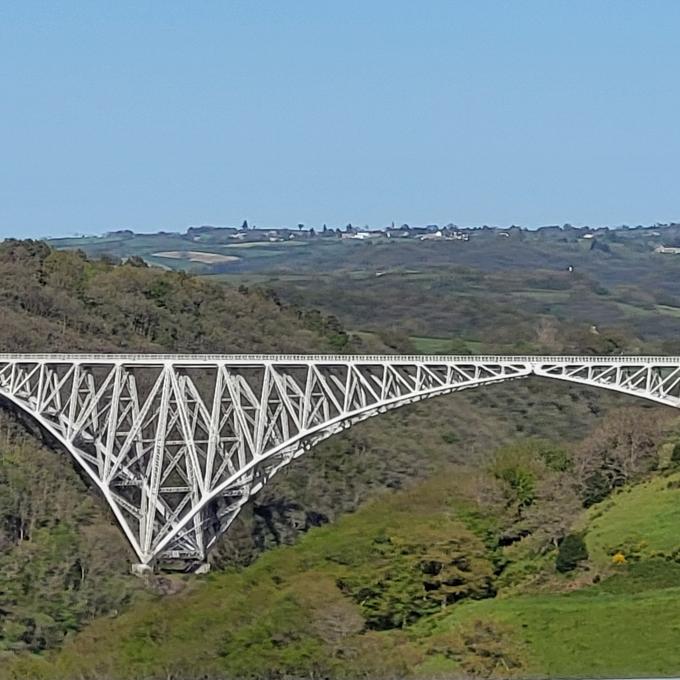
pixel 178 443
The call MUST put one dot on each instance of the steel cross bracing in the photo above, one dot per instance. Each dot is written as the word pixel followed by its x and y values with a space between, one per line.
pixel 178 443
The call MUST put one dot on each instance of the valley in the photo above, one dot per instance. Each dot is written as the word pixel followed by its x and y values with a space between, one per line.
pixel 436 537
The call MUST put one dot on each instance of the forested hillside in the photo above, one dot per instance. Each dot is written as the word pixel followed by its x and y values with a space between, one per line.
pixel 62 561
pixel 491 521
pixel 60 301
pixel 528 565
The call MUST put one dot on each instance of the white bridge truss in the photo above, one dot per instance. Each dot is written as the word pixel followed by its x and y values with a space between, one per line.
pixel 178 443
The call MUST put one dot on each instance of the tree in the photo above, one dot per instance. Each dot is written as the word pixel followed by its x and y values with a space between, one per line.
pixel 549 518
pixel 397 340
pixel 57 569
pixel 518 469
pixel 418 570
pixel 333 616
pixel 622 449
pixel 67 270
pixel 539 490
pixel 548 335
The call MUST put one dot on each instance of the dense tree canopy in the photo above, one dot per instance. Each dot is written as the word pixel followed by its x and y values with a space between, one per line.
pixel 61 301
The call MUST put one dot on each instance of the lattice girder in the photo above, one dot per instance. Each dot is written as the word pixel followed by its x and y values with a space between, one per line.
pixel 177 444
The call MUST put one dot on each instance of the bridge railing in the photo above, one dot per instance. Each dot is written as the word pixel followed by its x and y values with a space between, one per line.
pixel 198 359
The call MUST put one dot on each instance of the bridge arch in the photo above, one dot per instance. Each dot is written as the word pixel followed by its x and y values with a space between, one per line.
pixel 178 443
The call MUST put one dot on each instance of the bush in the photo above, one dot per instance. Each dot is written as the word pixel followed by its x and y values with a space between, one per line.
pixel 596 488
pixel 483 649
pixel 450 437
pixel 675 455
pixel 571 552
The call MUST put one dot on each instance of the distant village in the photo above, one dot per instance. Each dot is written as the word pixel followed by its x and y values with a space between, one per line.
pixel 662 238
pixel 253 234
pixel 430 232
pixel 667 236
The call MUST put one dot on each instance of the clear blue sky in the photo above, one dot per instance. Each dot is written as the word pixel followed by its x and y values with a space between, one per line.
pixel 159 115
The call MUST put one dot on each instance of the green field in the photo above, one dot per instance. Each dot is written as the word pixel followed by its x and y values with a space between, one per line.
pixel 642 522
pixel 667 309
pixel 628 624
pixel 589 633
pixel 426 345
pixel 275 245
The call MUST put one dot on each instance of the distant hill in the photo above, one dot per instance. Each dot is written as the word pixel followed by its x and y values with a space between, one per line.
pixel 258 250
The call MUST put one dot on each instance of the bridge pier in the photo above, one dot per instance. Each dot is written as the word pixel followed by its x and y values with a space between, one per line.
pixel 142 570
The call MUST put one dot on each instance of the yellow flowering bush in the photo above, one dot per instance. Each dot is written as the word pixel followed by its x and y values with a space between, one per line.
pixel 618 558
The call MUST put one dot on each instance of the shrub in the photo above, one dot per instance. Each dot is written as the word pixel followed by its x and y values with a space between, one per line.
pixel 483 649
pixel 618 558
pixel 675 455
pixel 450 437
pixel 572 550
pixel 596 488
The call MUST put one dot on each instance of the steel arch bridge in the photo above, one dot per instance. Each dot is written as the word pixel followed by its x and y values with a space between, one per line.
pixel 177 444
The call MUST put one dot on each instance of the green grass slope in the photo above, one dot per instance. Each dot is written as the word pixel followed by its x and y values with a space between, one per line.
pixel 640 522
pixel 591 632
pixel 627 623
